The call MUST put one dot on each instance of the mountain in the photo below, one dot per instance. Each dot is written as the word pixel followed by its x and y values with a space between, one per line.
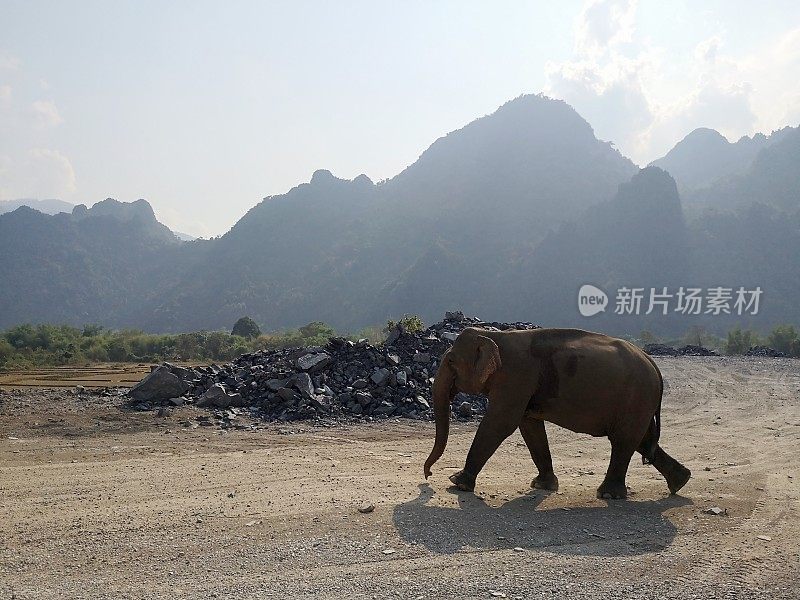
pixel 345 252
pixel 638 238
pixel 48 207
pixel 705 156
pixel 772 178
pixel 506 217
pixel 79 267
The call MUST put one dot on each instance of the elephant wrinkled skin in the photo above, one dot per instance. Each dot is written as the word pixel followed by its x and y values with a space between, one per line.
pixel 586 382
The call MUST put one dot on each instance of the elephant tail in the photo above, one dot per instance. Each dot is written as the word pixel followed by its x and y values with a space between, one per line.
pixel 650 441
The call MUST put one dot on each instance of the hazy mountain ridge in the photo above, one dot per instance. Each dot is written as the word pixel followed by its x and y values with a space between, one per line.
pixel 772 178
pixel 82 267
pixel 505 217
pixel 49 206
pixel 486 193
pixel 705 158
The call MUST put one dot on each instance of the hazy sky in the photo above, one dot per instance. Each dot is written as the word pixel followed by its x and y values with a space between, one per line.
pixel 203 108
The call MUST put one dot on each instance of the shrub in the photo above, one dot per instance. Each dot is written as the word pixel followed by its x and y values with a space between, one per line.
pixel 740 341
pixel 409 323
pixel 6 351
pixel 782 337
pixel 246 328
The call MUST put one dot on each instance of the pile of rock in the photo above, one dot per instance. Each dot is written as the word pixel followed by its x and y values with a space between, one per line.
pixel 343 377
pixel 660 350
pixel 688 350
pixel 765 351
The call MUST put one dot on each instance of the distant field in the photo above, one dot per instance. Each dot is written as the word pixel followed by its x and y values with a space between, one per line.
pixel 92 376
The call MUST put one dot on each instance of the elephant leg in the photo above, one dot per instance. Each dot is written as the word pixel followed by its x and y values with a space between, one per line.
pixel 613 485
pixel 501 420
pixel 674 472
pixel 535 436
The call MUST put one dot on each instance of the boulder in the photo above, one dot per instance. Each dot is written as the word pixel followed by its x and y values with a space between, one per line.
pixel 274 385
pixel 216 396
pixel 304 384
pixel 158 386
pixel 313 362
pixel 465 410
pixel 380 377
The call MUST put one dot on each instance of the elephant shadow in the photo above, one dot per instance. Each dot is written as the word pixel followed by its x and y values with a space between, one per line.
pixel 619 528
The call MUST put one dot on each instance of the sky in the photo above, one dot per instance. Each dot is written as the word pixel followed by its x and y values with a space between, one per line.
pixel 204 108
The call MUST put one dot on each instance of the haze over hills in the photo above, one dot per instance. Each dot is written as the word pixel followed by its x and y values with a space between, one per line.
pixel 506 218
pixel 705 157
pixel 50 206
pixel 79 267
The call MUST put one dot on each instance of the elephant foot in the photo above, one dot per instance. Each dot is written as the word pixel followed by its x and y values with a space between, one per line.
pixel 612 490
pixel 678 478
pixel 545 482
pixel 463 481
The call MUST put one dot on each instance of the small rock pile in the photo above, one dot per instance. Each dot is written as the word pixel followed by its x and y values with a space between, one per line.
pixel 765 351
pixel 688 350
pixel 344 377
pixel 660 350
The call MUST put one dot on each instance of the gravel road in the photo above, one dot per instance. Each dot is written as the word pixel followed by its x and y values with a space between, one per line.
pixel 97 501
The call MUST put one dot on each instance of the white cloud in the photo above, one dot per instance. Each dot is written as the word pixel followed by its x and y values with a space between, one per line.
pixel 623 87
pixel 45 114
pixel 604 24
pixel 5 93
pixel 39 173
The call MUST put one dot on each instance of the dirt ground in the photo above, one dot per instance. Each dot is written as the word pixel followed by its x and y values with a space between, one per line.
pixel 100 502
pixel 90 376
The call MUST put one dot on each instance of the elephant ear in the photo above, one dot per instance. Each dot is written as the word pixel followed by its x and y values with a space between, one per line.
pixel 488 360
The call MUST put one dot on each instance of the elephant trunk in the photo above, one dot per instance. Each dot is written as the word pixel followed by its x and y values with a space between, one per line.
pixel 443 393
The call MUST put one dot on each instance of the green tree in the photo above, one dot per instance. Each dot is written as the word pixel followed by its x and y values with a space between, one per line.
pixel 317 332
pixel 92 330
pixel 6 350
pixel 782 337
pixel 740 341
pixel 246 328
pixel 696 336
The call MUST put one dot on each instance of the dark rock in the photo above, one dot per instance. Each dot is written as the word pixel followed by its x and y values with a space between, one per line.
pixel 287 394
pixel 215 396
pixel 690 350
pixel 765 351
pixel 359 384
pixel 380 377
pixel 660 350
pixel 275 384
pixel 303 383
pixel 313 362
pixel 465 410
pixel 159 385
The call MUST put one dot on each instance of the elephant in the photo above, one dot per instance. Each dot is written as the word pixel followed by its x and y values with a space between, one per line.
pixel 586 382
